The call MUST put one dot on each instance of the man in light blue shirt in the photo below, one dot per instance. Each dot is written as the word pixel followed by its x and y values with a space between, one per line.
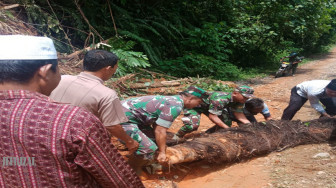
pixel 314 91
pixel 253 107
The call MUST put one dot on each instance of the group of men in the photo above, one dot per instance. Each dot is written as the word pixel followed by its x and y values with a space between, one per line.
pixel 68 133
pixel 142 122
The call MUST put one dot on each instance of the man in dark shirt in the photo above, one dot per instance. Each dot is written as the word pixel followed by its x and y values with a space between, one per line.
pixel 294 61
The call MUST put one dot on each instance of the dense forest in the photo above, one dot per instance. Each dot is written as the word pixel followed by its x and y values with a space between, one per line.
pixel 222 39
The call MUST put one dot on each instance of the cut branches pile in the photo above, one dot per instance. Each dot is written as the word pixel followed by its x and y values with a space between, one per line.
pixel 157 84
pixel 10 24
pixel 143 82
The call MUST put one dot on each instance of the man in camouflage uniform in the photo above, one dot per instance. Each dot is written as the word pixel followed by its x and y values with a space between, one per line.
pixel 151 116
pixel 215 107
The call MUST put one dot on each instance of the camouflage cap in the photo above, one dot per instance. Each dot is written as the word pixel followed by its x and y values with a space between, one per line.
pixel 246 91
pixel 196 91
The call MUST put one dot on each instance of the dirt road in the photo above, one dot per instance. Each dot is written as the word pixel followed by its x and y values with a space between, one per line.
pixel 296 167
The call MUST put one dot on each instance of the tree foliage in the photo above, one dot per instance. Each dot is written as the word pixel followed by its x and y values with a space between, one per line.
pixel 216 38
pixel 129 60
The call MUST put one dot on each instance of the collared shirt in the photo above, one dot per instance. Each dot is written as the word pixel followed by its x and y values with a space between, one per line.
pixel 162 110
pixel 313 90
pixel 69 146
pixel 87 91
pixel 265 111
pixel 218 101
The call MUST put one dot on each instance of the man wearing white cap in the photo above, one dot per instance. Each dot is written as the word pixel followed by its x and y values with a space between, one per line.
pixel 46 144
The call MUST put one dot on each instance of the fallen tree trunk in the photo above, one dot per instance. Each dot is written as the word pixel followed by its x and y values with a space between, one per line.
pixel 250 141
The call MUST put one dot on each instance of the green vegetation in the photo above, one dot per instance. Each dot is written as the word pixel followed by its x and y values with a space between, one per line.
pixel 128 59
pixel 211 85
pixel 221 39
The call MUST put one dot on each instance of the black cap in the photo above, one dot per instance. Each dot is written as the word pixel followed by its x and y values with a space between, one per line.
pixel 332 85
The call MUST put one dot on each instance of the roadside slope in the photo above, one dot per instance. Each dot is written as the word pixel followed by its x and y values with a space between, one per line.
pixel 294 167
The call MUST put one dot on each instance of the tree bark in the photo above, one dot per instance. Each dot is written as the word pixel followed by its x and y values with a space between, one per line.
pixel 249 141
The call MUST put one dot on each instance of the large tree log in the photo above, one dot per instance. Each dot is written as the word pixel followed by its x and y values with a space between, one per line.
pixel 250 141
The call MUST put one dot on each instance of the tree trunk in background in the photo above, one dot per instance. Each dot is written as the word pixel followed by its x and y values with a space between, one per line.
pixel 250 141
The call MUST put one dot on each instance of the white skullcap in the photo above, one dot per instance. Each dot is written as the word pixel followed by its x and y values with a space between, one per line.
pixel 19 47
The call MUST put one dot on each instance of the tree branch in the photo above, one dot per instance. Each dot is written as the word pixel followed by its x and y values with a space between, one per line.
pixel 66 36
pixel 114 24
pixel 87 21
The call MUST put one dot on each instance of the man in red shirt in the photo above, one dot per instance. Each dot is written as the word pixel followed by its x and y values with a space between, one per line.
pixel 46 144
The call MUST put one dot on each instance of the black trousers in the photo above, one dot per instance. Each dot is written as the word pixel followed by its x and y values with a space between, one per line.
pixel 294 67
pixel 295 104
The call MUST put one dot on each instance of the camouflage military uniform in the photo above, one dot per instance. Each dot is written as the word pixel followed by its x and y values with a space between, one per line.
pixel 216 103
pixel 143 112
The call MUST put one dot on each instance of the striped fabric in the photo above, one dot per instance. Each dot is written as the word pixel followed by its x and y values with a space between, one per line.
pixel 69 145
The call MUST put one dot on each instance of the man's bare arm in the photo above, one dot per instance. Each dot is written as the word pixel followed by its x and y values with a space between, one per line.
pixel 214 118
pixel 160 137
pixel 119 132
pixel 241 117
pixel 268 118
pixel 325 114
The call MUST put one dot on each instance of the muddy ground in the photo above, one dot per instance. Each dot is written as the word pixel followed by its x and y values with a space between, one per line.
pixel 296 167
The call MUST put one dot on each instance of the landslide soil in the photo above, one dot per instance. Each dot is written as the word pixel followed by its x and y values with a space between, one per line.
pixel 295 167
